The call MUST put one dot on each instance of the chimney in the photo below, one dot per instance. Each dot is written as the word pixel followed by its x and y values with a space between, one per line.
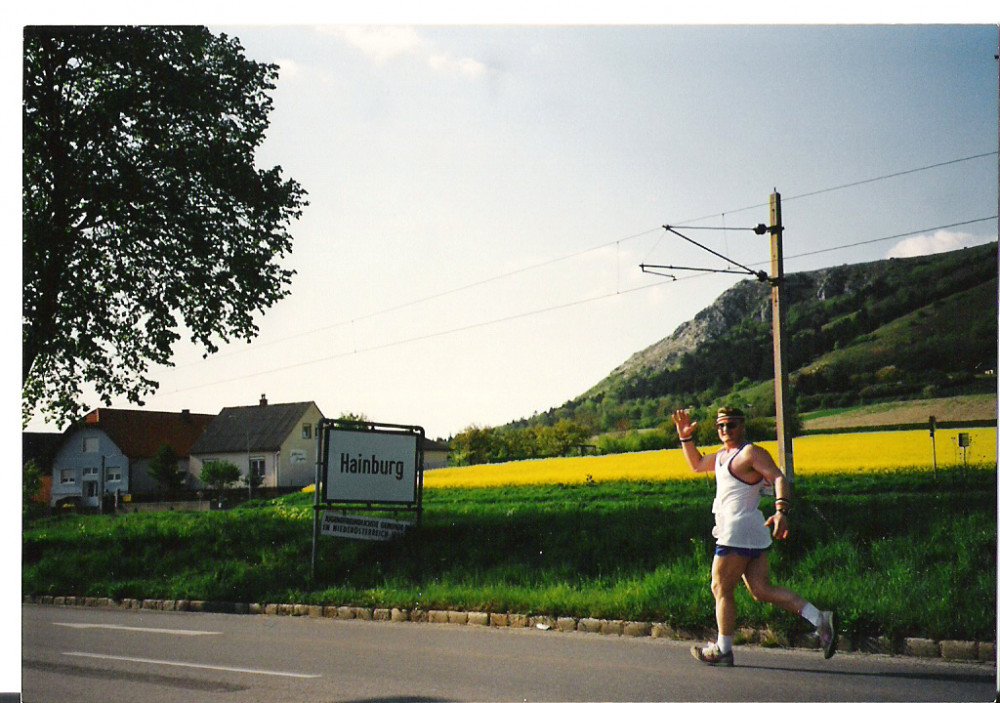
pixel 263 399
pixel 186 415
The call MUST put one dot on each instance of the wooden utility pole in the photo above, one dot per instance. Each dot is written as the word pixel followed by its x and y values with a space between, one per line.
pixel 782 407
pixel 783 412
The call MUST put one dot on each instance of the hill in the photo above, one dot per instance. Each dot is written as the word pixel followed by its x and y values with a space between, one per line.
pixel 891 330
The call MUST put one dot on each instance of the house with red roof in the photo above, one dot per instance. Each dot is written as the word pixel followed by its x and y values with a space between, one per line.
pixel 108 452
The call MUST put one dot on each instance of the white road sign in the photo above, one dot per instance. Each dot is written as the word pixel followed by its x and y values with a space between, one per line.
pixel 376 467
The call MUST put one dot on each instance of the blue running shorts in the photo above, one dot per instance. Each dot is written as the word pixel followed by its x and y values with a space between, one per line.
pixel 722 550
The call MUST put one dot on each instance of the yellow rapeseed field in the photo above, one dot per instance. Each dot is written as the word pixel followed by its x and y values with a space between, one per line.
pixel 835 453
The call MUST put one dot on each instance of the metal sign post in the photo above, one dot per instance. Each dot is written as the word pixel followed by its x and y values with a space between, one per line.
pixel 933 421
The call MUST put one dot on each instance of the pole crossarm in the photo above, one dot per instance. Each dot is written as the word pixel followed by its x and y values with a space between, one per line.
pixel 778 313
pixel 760 275
pixel 654 269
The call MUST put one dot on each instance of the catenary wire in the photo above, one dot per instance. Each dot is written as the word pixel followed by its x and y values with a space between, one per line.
pixel 617 242
pixel 552 308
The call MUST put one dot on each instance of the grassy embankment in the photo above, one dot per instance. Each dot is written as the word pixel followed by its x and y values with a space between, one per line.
pixel 897 552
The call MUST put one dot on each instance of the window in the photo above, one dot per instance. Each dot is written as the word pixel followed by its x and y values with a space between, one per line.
pixel 113 474
pixel 67 477
pixel 91 445
pixel 307 431
pixel 90 472
pixel 257 467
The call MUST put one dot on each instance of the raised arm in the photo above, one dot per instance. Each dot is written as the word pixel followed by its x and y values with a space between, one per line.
pixel 685 432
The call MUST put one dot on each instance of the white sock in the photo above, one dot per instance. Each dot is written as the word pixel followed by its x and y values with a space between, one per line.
pixel 810 613
pixel 725 643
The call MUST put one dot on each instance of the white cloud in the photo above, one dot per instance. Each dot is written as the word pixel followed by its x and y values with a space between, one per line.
pixel 382 43
pixel 469 68
pixel 288 68
pixel 937 243
pixel 385 43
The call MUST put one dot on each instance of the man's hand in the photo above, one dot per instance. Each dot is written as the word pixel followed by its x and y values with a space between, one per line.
pixel 682 421
pixel 779 525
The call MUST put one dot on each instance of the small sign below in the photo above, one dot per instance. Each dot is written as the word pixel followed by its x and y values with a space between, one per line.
pixel 362 527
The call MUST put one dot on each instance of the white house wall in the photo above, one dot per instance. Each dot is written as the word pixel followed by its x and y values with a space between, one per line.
pixel 239 459
pixel 297 458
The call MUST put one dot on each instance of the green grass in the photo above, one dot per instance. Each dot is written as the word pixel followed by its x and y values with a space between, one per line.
pixel 897 553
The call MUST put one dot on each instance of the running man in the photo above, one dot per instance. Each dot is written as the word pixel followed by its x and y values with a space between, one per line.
pixel 742 471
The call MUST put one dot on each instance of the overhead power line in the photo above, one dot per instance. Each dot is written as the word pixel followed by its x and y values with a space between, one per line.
pixel 853 184
pixel 551 308
pixel 617 242
pixel 893 236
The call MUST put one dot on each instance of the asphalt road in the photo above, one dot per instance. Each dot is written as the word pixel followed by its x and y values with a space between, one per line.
pixel 90 654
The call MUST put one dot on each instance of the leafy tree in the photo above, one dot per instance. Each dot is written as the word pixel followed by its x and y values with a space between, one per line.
pixel 218 475
pixel 473 445
pixel 164 470
pixel 31 484
pixel 354 417
pixel 142 208
pixel 560 438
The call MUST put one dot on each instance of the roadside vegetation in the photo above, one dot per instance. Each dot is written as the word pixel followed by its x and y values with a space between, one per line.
pixel 898 552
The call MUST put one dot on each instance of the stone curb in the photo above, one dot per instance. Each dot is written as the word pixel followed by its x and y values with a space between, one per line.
pixel 954 650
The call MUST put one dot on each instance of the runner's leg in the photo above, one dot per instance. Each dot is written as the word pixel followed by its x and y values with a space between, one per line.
pixel 726 573
pixel 757 578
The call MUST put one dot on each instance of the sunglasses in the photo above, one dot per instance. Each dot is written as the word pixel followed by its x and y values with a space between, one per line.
pixel 727 425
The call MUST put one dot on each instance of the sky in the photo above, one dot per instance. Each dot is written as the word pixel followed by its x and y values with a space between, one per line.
pixel 482 197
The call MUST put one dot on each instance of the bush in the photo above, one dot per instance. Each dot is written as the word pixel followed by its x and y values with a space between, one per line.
pixel 219 474
pixel 164 470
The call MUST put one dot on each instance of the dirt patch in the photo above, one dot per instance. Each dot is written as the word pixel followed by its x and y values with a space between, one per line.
pixel 966 408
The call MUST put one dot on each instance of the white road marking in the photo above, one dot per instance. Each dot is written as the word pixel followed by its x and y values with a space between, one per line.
pixel 193 665
pixel 162 631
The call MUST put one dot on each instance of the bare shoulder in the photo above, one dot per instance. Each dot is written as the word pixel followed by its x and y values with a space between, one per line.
pixel 762 461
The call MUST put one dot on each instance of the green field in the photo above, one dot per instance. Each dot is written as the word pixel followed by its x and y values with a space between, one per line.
pixel 966 410
pixel 897 553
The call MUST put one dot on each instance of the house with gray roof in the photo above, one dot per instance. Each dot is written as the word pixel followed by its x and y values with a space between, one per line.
pixel 276 443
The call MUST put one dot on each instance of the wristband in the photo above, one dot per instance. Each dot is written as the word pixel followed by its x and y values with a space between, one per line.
pixel 686 439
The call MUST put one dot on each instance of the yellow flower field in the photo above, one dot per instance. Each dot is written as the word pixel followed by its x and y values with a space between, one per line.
pixel 814 454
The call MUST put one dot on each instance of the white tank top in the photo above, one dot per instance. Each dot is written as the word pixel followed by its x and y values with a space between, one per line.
pixel 738 521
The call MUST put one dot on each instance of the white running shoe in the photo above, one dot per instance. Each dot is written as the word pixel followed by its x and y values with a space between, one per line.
pixel 712 655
